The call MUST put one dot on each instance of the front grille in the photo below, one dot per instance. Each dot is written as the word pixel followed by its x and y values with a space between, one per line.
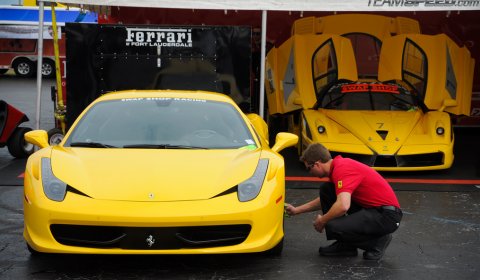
pixel 385 161
pixel 430 159
pixel 147 238
pixel 366 159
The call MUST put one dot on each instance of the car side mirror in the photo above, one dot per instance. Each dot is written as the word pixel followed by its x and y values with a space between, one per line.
pixel 284 140
pixel 38 138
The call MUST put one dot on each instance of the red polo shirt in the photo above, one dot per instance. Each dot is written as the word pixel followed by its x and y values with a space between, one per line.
pixel 367 187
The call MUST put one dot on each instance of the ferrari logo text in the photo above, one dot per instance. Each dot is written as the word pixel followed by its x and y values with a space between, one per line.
pixel 161 37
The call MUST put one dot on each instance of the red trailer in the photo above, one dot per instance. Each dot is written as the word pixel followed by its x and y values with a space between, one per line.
pixel 19 51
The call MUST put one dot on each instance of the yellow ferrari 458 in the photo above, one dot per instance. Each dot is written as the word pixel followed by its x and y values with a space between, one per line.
pixel 157 172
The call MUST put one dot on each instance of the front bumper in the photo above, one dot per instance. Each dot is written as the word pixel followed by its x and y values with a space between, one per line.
pixel 83 225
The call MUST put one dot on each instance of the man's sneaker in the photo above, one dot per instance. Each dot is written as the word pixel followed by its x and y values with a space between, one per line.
pixel 378 250
pixel 338 249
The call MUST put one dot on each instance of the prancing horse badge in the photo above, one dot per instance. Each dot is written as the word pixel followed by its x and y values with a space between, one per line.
pixel 150 241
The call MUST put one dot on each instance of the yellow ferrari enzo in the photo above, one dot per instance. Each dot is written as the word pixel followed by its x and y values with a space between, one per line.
pixel 371 88
pixel 157 172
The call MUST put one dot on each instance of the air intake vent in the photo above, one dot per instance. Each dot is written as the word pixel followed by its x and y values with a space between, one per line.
pixel 148 238
pixel 382 133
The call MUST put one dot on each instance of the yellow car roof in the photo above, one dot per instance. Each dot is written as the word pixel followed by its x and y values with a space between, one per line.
pixel 167 93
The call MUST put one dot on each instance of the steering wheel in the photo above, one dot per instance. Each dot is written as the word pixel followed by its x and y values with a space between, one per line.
pixel 400 105
pixel 204 133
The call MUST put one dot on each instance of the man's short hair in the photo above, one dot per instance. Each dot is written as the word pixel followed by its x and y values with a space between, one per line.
pixel 316 152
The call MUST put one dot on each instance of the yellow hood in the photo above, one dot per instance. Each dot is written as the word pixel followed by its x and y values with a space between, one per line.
pixel 152 174
pixel 383 132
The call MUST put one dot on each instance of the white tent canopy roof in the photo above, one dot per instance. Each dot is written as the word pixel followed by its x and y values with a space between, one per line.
pixel 293 5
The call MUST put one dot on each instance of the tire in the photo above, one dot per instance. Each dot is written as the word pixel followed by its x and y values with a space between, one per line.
pixel 48 68
pixel 31 250
pixel 24 67
pixel 17 146
pixel 55 136
pixel 35 253
pixel 276 251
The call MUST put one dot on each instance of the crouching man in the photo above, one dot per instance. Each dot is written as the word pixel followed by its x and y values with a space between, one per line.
pixel 360 209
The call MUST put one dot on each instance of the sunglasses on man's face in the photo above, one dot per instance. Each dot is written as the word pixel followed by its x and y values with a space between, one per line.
pixel 310 166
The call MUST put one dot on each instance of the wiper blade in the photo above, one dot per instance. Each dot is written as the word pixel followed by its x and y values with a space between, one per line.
pixel 162 146
pixel 91 145
pixel 334 103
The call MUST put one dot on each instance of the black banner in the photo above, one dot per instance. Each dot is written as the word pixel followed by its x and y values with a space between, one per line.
pixel 105 58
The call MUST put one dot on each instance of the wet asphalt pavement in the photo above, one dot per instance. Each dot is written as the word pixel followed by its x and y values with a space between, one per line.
pixel 438 239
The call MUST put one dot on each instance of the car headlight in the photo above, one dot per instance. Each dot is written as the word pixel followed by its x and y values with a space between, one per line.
pixel 249 189
pixel 321 129
pixel 53 188
pixel 440 130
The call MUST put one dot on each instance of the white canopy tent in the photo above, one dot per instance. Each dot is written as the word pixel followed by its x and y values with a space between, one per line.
pixel 292 5
pixel 264 6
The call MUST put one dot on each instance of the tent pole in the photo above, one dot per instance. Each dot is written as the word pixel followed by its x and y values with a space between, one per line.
pixel 262 64
pixel 39 62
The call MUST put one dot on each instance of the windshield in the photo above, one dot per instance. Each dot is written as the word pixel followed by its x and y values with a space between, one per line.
pixel 368 96
pixel 161 123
